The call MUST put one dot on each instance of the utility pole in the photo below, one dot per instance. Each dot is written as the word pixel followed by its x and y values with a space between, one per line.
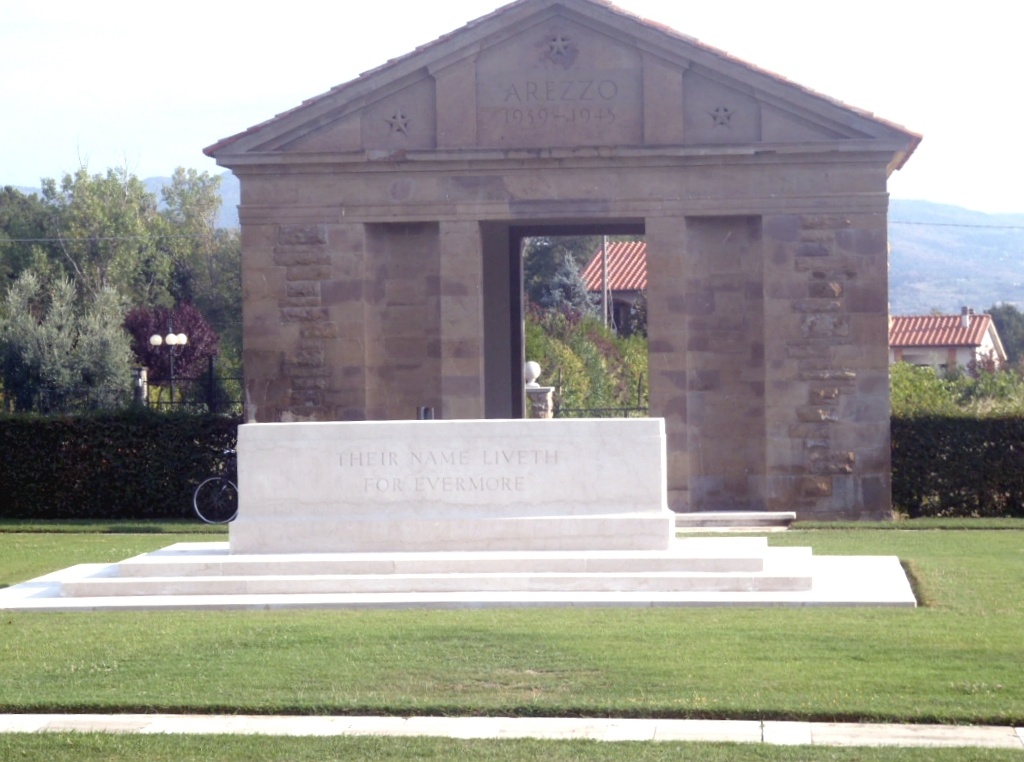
pixel 604 280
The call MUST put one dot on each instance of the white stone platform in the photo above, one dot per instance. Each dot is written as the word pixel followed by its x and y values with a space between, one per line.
pixel 738 571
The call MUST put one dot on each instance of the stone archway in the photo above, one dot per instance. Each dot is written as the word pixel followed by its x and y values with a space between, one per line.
pixel 377 220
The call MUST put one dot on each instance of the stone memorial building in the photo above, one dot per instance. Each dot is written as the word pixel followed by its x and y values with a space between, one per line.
pixel 382 224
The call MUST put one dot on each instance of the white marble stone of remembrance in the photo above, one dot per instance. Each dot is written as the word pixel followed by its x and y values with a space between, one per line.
pixel 590 484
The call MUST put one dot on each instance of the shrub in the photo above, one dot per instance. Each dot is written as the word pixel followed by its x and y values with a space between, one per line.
pixel 56 343
pixel 958 465
pixel 131 465
pixel 591 365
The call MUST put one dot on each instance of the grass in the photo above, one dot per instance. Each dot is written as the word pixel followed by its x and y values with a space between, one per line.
pixel 22 526
pixel 971 524
pixel 89 747
pixel 32 554
pixel 955 660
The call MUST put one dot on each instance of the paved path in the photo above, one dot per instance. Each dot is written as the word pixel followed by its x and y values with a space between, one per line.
pixel 601 729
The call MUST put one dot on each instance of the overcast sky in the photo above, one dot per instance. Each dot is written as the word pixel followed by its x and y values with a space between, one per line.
pixel 148 85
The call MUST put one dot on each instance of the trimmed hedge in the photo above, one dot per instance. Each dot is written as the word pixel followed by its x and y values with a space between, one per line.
pixel 145 465
pixel 130 465
pixel 958 466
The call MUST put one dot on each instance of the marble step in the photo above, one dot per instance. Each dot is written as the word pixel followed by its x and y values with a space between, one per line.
pixel 724 521
pixel 196 559
pixel 305 584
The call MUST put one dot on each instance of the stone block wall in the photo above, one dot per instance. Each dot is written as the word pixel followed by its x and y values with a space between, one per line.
pixel 362 321
pixel 402 294
pixel 768 361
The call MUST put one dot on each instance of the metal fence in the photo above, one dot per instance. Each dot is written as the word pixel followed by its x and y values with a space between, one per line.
pixel 639 410
pixel 600 412
pixel 64 401
pixel 208 393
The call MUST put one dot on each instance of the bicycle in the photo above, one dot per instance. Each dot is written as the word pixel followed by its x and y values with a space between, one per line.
pixel 216 499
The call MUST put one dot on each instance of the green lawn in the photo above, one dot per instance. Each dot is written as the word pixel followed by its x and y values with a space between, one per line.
pixel 958 659
pixel 94 747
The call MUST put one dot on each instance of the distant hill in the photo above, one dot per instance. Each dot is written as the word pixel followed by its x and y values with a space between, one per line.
pixel 229 193
pixel 946 257
pixel 941 257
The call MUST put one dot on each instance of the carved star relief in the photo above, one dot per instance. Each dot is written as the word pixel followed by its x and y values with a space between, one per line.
pixel 399 122
pixel 720 116
pixel 559 45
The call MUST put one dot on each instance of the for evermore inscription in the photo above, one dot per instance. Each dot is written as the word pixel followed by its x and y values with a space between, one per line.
pixel 445 471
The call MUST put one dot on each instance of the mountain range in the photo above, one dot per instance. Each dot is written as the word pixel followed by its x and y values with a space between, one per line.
pixel 941 257
pixel 946 257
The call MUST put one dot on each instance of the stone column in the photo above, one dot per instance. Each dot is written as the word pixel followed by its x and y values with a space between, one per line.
pixel 540 399
pixel 668 339
pixel 140 387
pixel 542 402
pixel 266 334
pixel 343 338
pixel 403 333
pixel 706 332
pixel 462 320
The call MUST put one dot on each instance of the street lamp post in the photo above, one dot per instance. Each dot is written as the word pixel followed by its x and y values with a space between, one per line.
pixel 172 340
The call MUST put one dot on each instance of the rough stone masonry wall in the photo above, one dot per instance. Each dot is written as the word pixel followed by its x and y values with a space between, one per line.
pixel 303 253
pixel 827 393
pixel 341 321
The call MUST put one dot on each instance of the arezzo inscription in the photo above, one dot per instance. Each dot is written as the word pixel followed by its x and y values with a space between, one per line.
pixel 578 107
pixel 532 103
pixel 564 103
pixel 561 91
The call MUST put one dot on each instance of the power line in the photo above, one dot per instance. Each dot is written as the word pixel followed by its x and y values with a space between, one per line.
pixel 956 225
pixel 105 238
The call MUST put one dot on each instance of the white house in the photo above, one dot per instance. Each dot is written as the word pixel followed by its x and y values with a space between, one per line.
pixel 945 341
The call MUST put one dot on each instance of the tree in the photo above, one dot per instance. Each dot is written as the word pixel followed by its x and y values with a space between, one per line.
pixel 567 291
pixel 636 323
pixel 1009 322
pixel 189 361
pixel 191 203
pixel 57 344
pixel 544 256
pixel 919 391
pixel 206 262
pixel 592 366
pixel 104 226
pixel 22 219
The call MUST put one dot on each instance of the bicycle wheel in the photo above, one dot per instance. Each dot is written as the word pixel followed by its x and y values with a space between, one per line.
pixel 216 500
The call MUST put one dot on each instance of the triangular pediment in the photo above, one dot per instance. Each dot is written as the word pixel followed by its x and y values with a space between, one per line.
pixel 559 74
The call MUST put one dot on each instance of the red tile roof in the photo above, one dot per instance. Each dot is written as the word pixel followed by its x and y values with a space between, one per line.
pixel 937 330
pixel 627 267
